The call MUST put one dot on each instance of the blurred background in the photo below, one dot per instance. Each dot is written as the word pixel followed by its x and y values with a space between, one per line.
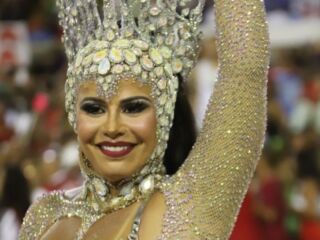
pixel 38 149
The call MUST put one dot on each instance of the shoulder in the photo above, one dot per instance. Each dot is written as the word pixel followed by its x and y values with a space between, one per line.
pixel 42 213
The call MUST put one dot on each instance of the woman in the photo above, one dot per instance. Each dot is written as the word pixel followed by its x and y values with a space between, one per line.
pixel 120 96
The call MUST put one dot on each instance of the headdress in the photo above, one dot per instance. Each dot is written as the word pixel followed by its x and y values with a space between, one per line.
pixel 151 41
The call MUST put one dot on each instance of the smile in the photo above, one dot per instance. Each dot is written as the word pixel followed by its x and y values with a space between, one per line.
pixel 115 150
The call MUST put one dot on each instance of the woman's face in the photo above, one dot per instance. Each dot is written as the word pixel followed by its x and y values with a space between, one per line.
pixel 118 134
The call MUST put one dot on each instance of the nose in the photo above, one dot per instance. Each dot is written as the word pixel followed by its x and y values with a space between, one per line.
pixel 113 126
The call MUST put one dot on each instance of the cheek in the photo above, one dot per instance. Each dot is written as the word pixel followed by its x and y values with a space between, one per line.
pixel 145 128
pixel 86 128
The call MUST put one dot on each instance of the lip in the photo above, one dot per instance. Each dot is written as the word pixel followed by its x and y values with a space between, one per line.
pixel 116 149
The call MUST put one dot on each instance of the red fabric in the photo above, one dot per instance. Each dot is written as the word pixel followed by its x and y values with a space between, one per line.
pixel 310 230
pixel 246 227
pixel 271 195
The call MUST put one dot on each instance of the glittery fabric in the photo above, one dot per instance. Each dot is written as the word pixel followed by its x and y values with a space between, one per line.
pixel 203 198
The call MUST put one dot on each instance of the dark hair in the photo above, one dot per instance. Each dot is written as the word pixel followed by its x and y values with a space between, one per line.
pixel 16 193
pixel 182 133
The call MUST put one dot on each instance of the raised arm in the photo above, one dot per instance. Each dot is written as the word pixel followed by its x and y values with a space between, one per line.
pixel 209 188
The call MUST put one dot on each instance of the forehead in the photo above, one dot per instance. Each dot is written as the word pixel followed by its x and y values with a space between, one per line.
pixel 126 88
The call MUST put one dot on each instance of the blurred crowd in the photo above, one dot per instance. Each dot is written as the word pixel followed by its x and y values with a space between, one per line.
pixel 38 149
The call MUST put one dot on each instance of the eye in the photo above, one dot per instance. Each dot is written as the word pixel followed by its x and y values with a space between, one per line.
pixel 135 106
pixel 92 107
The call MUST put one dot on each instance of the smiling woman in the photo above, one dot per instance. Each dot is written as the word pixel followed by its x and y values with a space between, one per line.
pixel 123 89
pixel 117 134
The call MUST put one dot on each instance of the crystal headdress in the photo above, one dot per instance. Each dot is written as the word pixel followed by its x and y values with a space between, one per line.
pixel 150 41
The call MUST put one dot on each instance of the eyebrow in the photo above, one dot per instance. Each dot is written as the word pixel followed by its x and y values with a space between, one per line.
pixel 130 99
pixel 124 101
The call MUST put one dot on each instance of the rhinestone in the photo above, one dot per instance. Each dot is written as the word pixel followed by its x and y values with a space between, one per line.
pixel 131 195
pixel 78 61
pixel 126 189
pixel 117 69
pixel 100 187
pixel 93 69
pixel 162 84
pixel 163 21
pixel 154 11
pixel 104 66
pixel 115 55
pixel 98 56
pixel 156 56
pixel 146 63
pixel 87 60
pixel 122 43
pixel 158 71
pixel 168 69
pixel 136 69
pixel 166 52
pixel 141 44
pixel 110 35
pixel 163 99
pixel 137 51
pixel 115 201
pixel 177 65
pixel 129 57
pixel 147 185
pixel 144 75
pixel 180 51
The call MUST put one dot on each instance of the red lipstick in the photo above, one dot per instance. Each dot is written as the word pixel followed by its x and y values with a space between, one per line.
pixel 115 149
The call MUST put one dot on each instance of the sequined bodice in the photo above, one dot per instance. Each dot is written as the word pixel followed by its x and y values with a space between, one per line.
pixel 204 196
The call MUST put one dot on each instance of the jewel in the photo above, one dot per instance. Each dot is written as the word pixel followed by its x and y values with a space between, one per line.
pixel 137 51
pixel 129 57
pixel 78 60
pixel 162 21
pixel 180 51
pixel 158 71
pixel 154 11
pixel 155 56
pixel 144 76
pixel 100 187
pixel 170 40
pixel 177 65
pixel 93 69
pixel 115 55
pixel 145 170
pixel 104 66
pixel 136 69
pixel 146 63
pixel 117 69
pixel 166 52
pixel 110 35
pixel 141 44
pixel 163 99
pixel 101 80
pixel 108 79
pixel 147 185
pixel 168 69
pixel 122 43
pixel 87 60
pixel 115 201
pixel 98 56
pixel 131 195
pixel 126 189
pixel 185 12
pixel 162 84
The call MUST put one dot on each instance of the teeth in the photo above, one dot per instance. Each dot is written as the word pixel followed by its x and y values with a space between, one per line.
pixel 114 148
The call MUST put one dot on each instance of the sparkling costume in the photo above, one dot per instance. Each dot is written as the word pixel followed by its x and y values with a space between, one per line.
pixel 204 196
